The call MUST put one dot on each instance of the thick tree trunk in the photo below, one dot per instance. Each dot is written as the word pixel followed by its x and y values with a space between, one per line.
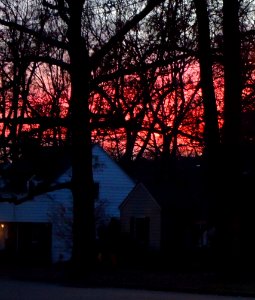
pixel 82 176
pixel 211 129
pixel 231 174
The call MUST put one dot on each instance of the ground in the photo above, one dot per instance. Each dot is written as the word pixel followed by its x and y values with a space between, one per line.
pixel 186 281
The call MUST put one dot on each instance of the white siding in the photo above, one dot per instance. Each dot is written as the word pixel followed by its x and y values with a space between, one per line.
pixel 60 215
pixel 140 204
pixel 114 183
pixel 30 211
pixel 7 212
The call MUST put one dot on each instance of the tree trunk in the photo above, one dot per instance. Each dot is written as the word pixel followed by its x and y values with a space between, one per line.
pixel 231 173
pixel 82 176
pixel 211 129
pixel 232 79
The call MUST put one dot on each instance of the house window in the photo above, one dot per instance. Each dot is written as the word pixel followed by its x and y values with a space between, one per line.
pixel 140 230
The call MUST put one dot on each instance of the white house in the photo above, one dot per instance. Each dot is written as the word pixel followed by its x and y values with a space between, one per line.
pixel 41 225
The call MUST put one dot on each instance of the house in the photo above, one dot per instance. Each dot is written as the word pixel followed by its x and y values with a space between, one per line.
pixel 166 214
pixel 36 203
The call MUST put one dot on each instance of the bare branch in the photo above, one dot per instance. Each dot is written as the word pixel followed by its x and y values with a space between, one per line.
pixel 60 8
pixel 29 196
pixel 49 60
pixel 98 55
pixel 36 34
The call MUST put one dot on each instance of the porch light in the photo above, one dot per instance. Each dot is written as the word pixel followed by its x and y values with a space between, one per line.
pixel 2 225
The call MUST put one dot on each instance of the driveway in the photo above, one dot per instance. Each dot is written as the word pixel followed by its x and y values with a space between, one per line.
pixel 27 290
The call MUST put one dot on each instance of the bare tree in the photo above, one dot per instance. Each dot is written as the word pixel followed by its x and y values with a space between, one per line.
pixel 230 206
pixel 85 55
pixel 149 69
pixel 223 154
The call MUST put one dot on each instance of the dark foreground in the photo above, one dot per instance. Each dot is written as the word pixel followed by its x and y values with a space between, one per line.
pixel 30 290
pixel 197 282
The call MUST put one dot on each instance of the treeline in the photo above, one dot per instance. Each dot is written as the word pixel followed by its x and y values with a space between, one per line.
pixel 145 96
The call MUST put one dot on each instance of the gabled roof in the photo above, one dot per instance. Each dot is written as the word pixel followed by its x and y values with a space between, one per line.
pixel 137 186
pixel 98 149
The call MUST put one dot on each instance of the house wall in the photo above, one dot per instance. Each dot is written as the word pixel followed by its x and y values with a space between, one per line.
pixel 30 211
pixel 54 208
pixel 140 204
pixel 60 214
